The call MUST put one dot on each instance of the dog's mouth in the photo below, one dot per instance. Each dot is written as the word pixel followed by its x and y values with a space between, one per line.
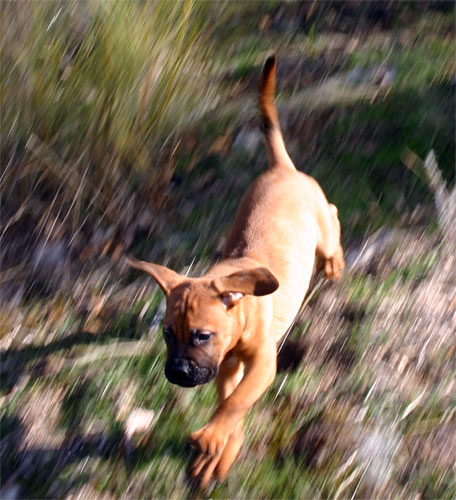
pixel 187 373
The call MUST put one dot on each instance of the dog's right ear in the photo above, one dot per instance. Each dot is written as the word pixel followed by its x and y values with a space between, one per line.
pixel 258 281
pixel 165 277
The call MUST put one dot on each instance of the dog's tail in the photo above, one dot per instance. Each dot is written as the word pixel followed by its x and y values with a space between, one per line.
pixel 275 145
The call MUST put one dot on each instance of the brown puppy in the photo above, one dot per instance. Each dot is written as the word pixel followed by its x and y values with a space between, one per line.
pixel 227 323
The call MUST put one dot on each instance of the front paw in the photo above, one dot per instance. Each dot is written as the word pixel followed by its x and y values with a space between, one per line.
pixel 204 468
pixel 210 439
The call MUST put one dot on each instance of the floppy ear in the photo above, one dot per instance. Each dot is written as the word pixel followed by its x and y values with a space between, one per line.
pixel 165 277
pixel 259 281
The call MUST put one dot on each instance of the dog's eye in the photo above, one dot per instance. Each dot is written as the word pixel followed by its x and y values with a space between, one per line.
pixel 168 334
pixel 200 338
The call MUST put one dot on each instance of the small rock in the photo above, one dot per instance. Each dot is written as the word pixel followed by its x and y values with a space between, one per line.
pixel 248 140
pixel 377 451
pixel 48 257
pixel 139 420
pixel 138 425
pixel 389 77
pixel 356 76
pixel 11 492
pixel 359 259
pixel 158 318
pixel 50 264
pixel 383 75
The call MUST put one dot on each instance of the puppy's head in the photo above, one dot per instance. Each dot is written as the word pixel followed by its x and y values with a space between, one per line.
pixel 201 324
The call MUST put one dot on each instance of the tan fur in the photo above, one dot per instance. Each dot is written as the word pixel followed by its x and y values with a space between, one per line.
pixel 283 224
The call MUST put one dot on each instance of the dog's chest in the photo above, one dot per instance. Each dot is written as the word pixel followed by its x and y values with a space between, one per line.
pixel 231 361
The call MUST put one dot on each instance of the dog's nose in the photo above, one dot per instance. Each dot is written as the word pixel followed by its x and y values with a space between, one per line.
pixel 179 371
pixel 180 367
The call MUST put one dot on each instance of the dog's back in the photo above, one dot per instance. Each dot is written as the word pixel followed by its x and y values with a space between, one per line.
pixel 284 219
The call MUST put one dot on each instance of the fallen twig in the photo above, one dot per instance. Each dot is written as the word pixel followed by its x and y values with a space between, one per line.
pixel 117 350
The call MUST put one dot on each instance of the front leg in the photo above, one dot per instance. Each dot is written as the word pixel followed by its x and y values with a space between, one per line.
pixel 259 372
pixel 205 466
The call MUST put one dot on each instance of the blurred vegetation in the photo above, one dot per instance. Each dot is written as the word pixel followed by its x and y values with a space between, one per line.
pixel 103 88
pixel 132 127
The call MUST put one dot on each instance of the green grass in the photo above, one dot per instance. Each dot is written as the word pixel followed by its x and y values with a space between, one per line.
pixel 364 147
pixel 268 468
pixel 426 62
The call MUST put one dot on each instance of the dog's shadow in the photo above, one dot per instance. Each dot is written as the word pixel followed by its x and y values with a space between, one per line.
pixel 290 355
pixel 43 471
pixel 34 359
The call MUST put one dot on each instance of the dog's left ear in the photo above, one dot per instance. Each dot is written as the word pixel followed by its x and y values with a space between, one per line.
pixel 259 281
pixel 166 278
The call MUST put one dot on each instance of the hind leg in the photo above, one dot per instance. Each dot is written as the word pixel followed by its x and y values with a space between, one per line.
pixel 330 255
pixel 332 266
